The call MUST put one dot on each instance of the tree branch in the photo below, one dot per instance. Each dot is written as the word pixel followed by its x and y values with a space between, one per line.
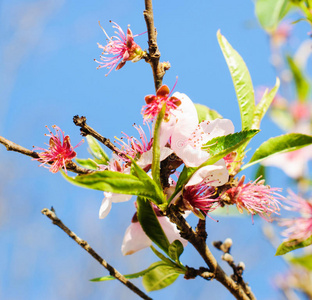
pixel 87 130
pixel 153 56
pixel 112 271
pixel 70 166
pixel 198 241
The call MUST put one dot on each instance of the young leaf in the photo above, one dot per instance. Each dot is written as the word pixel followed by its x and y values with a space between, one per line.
pixel 160 277
pixel 291 245
pixel 156 147
pixel 302 84
pixel 150 224
pixel 206 114
pixel 149 183
pixel 165 259
pixel 270 13
pixel 114 182
pixel 241 80
pixel 175 250
pixel 96 150
pixel 87 163
pixel 130 276
pixel 280 144
pixel 263 105
pixel 303 261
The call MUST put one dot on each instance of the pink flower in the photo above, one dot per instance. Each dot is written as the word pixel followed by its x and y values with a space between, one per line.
pixel 155 103
pixel 60 151
pixel 200 198
pixel 255 197
pixel 298 228
pixel 122 48
pixel 141 149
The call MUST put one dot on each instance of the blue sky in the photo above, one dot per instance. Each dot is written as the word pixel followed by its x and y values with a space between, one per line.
pixel 48 75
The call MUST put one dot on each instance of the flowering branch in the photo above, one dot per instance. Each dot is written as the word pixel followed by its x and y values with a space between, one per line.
pixel 70 165
pixel 112 271
pixel 199 243
pixel 153 55
pixel 87 130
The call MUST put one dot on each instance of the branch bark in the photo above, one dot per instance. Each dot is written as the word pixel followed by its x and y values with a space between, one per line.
pixel 11 146
pixel 199 243
pixel 153 52
pixel 112 271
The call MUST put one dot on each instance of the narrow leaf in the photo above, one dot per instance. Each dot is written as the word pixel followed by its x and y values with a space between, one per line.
pixel 264 105
pixel 87 163
pixel 156 147
pixel 114 182
pixel 301 82
pixel 160 277
pixel 280 144
pixel 150 224
pixel 130 276
pixel 304 261
pixel 241 80
pixel 149 183
pixel 270 12
pixel 96 150
pixel 288 246
pixel 206 114
pixel 165 259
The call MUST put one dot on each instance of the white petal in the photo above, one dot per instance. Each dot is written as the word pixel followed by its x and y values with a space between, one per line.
pixel 171 231
pixel 135 239
pixel 120 197
pixel 217 127
pixel 217 174
pixel 192 157
pixel 105 206
pixel 147 157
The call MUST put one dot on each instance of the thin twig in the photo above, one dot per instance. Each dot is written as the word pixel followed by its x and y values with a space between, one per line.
pixel 70 166
pixel 85 130
pixel 154 55
pixel 200 245
pixel 112 271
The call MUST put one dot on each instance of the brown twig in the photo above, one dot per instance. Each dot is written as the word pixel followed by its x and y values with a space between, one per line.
pixel 200 245
pixel 70 166
pixel 112 271
pixel 153 56
pixel 85 130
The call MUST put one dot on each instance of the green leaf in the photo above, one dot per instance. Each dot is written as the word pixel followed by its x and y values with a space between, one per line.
pixel 156 147
pixel 129 276
pixel 270 13
pixel 149 183
pixel 241 80
pixel 303 261
pixel 150 224
pixel 165 259
pixel 114 182
pixel 233 141
pixel 280 144
pixel 291 245
pixel 87 163
pixel 175 250
pixel 261 172
pixel 96 150
pixel 206 114
pixel 160 277
pixel 264 105
pixel 301 82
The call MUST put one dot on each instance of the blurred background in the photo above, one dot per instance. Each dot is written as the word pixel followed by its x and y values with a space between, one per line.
pixel 48 75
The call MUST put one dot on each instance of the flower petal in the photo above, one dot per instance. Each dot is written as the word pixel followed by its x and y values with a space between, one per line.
pixel 106 205
pixel 135 239
pixel 216 174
